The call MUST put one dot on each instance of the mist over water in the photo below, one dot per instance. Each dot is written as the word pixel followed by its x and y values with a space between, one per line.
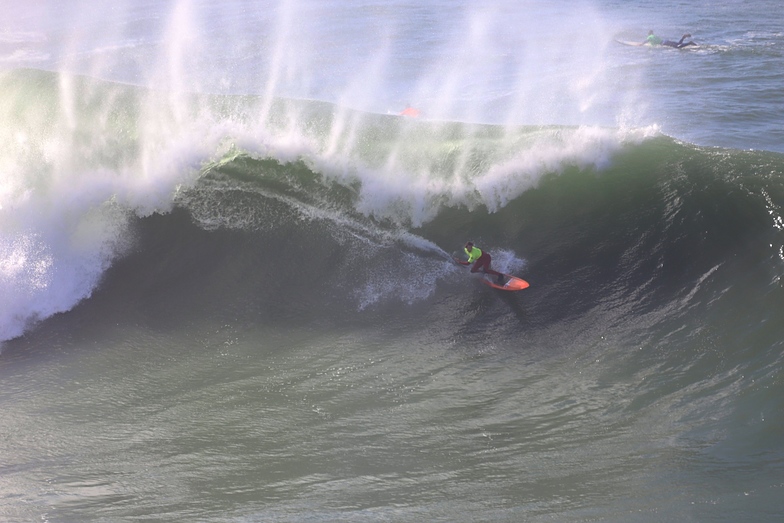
pixel 498 61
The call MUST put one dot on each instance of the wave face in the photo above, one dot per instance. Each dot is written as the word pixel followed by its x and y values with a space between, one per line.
pixel 363 210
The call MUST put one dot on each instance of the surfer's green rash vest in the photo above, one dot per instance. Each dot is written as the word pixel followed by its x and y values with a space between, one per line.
pixel 654 40
pixel 473 254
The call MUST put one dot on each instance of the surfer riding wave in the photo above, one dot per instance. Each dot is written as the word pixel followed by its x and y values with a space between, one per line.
pixel 481 260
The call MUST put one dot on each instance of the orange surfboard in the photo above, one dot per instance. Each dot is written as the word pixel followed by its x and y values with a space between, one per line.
pixel 512 283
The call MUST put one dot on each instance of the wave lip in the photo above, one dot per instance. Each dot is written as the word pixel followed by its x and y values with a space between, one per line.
pixel 48 266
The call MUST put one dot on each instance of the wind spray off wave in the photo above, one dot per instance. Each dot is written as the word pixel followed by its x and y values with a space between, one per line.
pixel 104 152
pixel 81 156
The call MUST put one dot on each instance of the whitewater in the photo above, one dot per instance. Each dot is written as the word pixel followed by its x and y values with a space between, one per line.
pixel 226 261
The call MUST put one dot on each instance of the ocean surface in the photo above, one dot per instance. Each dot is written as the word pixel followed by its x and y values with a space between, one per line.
pixel 227 282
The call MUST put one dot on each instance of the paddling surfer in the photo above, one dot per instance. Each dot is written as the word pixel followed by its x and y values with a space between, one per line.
pixel 654 40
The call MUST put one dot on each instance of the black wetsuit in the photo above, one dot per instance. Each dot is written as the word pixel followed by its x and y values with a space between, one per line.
pixel 678 44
